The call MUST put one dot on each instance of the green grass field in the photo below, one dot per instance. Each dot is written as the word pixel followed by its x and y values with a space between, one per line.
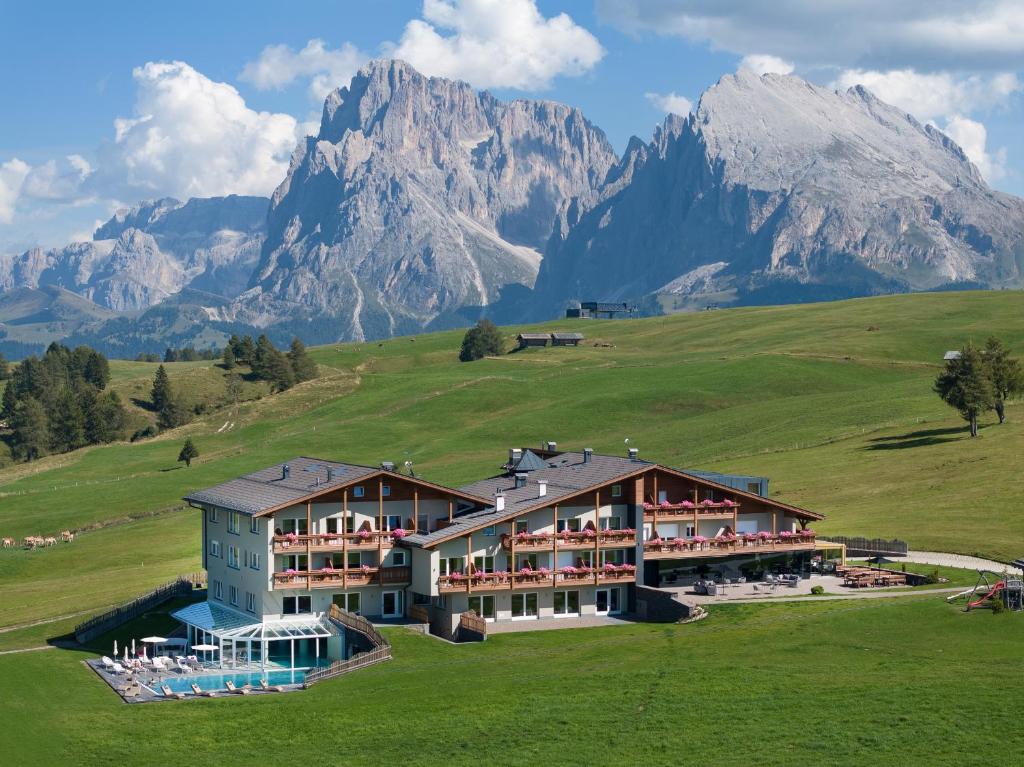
pixel 832 401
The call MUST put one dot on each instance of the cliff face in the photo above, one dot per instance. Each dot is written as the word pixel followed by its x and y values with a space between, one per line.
pixel 145 254
pixel 775 190
pixel 418 197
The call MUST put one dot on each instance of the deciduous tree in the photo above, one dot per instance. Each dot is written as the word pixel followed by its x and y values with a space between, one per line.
pixel 965 385
pixel 1004 372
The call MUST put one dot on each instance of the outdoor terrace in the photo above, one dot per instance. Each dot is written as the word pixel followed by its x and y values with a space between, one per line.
pixel 353 577
pixel 726 545
pixel 686 510
pixel 359 541
pixel 540 578
pixel 587 539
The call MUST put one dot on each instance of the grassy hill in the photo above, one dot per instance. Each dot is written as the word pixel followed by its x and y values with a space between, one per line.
pixel 832 401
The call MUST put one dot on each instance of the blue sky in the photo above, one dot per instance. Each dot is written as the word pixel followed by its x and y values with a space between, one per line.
pixel 143 100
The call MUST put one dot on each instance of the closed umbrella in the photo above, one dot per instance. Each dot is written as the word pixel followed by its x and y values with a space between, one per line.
pixel 115 648
pixel 133 646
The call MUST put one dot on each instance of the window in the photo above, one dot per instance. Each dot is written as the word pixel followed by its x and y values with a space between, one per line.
pixel 233 557
pixel 483 606
pixel 250 602
pixel 616 491
pixel 254 560
pixel 422 522
pixel 332 525
pixel 213 516
pixel 358 491
pixel 348 602
pixel 572 525
pixel 355 560
pixel 524 605
pixel 350 524
pixel 214 548
pixel 385 491
pixel 584 558
pixel 254 525
pixel 613 556
pixel 398 558
pixel 233 595
pixel 522 526
pixel 295 525
pixel 483 565
pixel 233 522
pixel 218 590
pixel 489 530
pixel 567 603
pixel 294 562
pixel 451 565
pixel 297 605
pixel 526 560
pixel 692 531
pixel 391 521
pixel 754 487
pixel 611 523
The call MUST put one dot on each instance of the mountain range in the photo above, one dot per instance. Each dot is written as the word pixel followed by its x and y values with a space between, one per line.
pixel 422 203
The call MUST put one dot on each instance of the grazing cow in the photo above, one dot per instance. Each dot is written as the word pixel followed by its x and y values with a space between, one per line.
pixel 49 541
pixel 67 536
pixel 8 543
pixel 31 541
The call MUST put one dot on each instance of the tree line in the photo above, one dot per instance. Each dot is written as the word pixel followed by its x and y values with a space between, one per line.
pixel 58 403
pixel 978 380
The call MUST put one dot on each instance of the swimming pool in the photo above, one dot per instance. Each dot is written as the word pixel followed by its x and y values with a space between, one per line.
pixel 216 682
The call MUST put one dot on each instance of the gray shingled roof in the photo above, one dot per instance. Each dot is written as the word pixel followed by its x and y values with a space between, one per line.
pixel 566 475
pixel 529 461
pixel 267 489
pixel 567 336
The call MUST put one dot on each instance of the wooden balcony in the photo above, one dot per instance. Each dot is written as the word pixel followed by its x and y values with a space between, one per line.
pixel 505 581
pixel 321 542
pixel 343 579
pixel 606 539
pixel 688 510
pixel 691 548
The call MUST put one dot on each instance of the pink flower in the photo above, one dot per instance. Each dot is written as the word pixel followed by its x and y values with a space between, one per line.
pixel 569 570
pixel 665 503
pixel 678 542
pixel 609 567
pixel 687 504
pixel 727 502
pixel 764 535
pixel 648 505
pixel 526 571
pixel 544 571
pixel 699 539
pixel 365 569
pixel 398 532
pixel 363 534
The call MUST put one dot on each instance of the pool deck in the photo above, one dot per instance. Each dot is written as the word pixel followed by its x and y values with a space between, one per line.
pixel 145 687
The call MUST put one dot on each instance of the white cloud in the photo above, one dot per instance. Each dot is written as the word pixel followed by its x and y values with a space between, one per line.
pixel 762 64
pixel 193 137
pixel 278 66
pixel 497 43
pixel 878 34
pixel 928 96
pixel 672 103
pixel 12 177
pixel 57 181
pixel 972 138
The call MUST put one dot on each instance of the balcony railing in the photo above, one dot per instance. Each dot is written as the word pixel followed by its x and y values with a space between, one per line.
pixel 289 544
pixel 687 510
pixel 540 578
pixel 352 577
pixel 606 539
pixel 728 544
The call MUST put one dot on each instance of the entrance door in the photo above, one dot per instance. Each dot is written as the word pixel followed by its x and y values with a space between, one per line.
pixel 608 601
pixel 391 604
pixel 483 606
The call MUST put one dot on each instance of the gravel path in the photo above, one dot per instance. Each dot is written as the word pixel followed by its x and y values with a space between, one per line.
pixel 956 560
pixel 877 594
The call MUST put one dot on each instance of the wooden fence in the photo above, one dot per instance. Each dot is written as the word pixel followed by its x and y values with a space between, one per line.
pixel 117 616
pixel 419 613
pixel 357 661
pixel 359 624
pixel 472 628
pixel 869 547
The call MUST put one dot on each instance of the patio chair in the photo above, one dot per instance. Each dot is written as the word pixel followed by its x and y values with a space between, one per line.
pixel 117 668
pixel 159 664
pixel 182 666
pixel 197 690
pixel 270 687
pixel 169 693
pixel 230 686
pixel 107 663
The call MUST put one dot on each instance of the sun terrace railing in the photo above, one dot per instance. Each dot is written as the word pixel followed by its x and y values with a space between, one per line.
pixel 356 662
pixel 343 577
pixel 363 539
pixel 569 540
pixel 541 577
pixel 753 542
pixel 690 509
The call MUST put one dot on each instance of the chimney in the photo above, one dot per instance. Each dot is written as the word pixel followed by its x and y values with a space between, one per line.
pixel 552 446
pixel 588 454
pixel 542 488
pixel 520 479
pixel 514 454
pixel 285 471
pixel 330 474
pixel 387 465
pixel 633 453
pixel 499 501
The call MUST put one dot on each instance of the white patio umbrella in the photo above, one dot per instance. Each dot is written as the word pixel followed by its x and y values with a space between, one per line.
pixel 154 640
pixel 205 647
pixel 126 653
pixel 133 645
pixel 115 648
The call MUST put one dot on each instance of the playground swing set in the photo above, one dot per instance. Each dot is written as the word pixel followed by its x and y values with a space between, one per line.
pixel 1003 588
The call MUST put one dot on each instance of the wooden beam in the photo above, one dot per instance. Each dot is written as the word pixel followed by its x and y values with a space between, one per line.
pixel 451 505
pixel 309 545
pixel 469 562
pixel 597 534
pixel 512 554
pixel 775 529
pixel 554 556
pixel 380 520
pixel 344 539
pixel 415 510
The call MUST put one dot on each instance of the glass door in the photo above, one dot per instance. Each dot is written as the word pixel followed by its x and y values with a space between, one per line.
pixel 601 601
pixel 483 606
pixel 391 605
pixel 607 601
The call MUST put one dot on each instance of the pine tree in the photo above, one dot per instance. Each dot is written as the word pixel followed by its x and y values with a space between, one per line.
pixel 10 398
pixel 1004 372
pixel 97 370
pixel 5 369
pixel 965 385
pixel 67 423
pixel 482 340
pixel 30 433
pixel 170 355
pixel 161 393
pixel 229 358
pixel 303 366
pixel 188 452
pixel 171 415
pixel 233 388
pixel 247 351
pixel 105 418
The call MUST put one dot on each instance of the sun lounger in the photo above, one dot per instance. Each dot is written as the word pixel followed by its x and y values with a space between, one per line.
pixel 169 693
pixel 107 662
pixel 270 687
pixel 201 692
pixel 183 667
pixel 230 686
pixel 159 664
pixel 117 668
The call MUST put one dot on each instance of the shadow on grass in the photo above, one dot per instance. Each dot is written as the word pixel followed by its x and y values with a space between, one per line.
pixel 172 468
pixel 145 404
pixel 919 438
